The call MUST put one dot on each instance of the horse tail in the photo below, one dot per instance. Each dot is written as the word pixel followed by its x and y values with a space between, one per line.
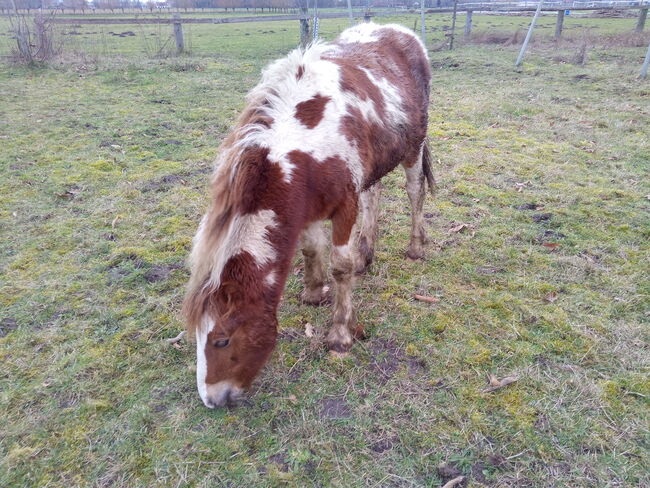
pixel 426 167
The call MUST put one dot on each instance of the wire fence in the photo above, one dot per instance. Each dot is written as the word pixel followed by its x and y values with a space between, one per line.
pixel 139 39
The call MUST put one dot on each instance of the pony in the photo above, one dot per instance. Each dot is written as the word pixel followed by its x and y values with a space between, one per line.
pixel 318 133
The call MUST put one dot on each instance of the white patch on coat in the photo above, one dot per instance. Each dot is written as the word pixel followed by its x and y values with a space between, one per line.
pixel 271 278
pixel 366 32
pixel 370 32
pixel 283 92
pixel 201 361
pixel 392 99
pixel 314 237
pixel 280 91
pixel 245 233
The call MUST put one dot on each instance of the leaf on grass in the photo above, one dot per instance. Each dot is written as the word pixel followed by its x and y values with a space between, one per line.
pixel 309 330
pixel 496 384
pixel 115 221
pixel 423 298
pixel 550 297
pixel 177 339
pixel 458 228
pixel 551 246
pixel 493 380
pixel 520 186
pixel 68 195
pixel 455 482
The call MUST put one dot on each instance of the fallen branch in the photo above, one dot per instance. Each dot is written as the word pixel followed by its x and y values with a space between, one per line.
pixel 426 299
pixel 454 482
pixel 177 339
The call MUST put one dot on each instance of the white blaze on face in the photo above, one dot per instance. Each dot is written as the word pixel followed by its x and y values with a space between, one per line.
pixel 201 360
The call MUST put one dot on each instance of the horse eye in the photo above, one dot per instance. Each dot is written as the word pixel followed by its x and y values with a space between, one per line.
pixel 221 342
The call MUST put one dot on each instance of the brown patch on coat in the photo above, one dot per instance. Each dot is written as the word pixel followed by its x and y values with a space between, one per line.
pixel 301 71
pixel 398 58
pixel 329 192
pixel 311 112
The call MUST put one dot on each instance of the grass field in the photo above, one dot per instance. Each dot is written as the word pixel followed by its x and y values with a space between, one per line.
pixel 103 174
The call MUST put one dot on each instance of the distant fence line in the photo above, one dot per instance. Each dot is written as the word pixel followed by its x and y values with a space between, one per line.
pixel 304 18
pixel 468 8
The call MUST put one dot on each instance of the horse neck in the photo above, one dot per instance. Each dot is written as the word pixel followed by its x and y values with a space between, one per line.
pixel 284 238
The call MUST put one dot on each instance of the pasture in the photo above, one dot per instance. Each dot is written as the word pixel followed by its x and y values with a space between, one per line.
pixel 538 264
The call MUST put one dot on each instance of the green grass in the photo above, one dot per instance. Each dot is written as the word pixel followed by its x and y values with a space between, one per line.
pixel 104 167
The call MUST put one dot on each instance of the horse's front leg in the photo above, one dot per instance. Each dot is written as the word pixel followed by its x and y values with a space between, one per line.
pixel 340 337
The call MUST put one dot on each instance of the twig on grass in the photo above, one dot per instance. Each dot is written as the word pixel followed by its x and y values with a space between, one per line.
pixel 496 384
pixel 426 299
pixel 454 482
pixel 177 339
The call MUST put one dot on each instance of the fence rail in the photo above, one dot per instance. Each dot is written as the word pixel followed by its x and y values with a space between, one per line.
pixel 466 7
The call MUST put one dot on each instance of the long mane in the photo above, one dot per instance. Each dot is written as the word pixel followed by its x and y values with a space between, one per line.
pixel 211 244
pixel 215 234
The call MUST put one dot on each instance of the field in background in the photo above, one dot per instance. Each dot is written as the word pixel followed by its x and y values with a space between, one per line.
pixel 103 174
pixel 245 40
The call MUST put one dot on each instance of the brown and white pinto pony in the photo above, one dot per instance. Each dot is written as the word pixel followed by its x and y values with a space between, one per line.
pixel 324 125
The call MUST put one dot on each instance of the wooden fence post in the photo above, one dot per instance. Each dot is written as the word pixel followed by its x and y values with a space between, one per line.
pixel 559 24
pixel 178 34
pixel 646 63
pixel 304 28
pixel 453 26
pixel 468 24
pixel 423 32
pixel 643 14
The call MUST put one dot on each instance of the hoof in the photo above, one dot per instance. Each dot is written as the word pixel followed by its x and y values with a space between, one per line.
pixel 362 269
pixel 317 298
pixel 338 355
pixel 414 254
pixel 338 349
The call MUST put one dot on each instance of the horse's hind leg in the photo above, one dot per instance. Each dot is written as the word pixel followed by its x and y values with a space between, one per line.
pixel 314 244
pixel 339 339
pixel 368 227
pixel 416 189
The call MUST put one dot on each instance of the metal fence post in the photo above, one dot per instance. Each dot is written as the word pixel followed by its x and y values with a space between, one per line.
pixel 350 12
pixel 178 34
pixel 520 58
